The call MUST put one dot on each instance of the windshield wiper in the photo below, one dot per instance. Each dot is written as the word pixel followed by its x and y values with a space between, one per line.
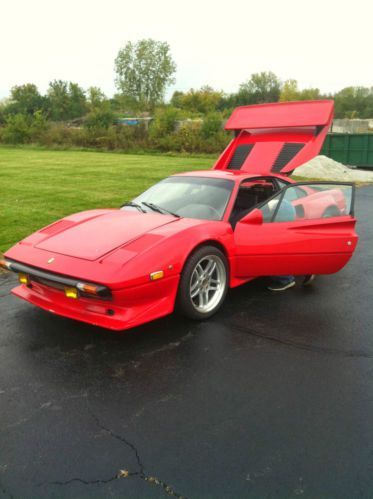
pixel 159 209
pixel 134 205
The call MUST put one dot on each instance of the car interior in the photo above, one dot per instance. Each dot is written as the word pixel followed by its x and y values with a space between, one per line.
pixel 251 193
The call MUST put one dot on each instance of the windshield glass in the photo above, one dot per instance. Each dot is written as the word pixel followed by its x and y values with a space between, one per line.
pixel 192 197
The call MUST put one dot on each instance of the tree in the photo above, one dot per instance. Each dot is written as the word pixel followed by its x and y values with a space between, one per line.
pixel 310 94
pixel 78 101
pixel 262 87
pixel 354 102
pixel 144 70
pixel 66 100
pixel 100 114
pixel 25 99
pixel 58 100
pixel 290 92
pixel 96 98
pixel 205 100
pixel 3 110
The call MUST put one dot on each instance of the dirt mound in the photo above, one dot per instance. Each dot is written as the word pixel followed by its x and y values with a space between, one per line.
pixel 322 167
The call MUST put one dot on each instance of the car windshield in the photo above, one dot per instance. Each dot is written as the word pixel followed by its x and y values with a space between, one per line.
pixel 192 197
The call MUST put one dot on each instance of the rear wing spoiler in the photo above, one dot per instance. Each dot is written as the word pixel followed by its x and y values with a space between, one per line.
pixel 282 115
pixel 276 138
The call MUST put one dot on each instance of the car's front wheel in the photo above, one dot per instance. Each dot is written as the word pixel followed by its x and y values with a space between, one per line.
pixel 203 283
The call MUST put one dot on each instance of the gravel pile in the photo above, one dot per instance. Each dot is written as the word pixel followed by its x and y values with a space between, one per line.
pixel 322 167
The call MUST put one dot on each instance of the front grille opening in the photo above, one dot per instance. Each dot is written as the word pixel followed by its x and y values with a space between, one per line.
pixel 50 284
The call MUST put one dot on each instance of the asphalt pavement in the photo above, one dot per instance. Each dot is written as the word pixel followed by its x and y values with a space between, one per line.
pixel 271 398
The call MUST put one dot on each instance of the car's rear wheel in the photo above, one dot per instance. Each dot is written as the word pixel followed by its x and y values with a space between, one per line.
pixel 203 283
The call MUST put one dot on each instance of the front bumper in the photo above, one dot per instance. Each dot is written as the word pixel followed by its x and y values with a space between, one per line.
pixel 126 308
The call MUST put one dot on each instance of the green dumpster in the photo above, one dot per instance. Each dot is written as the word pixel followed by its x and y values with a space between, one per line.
pixel 355 149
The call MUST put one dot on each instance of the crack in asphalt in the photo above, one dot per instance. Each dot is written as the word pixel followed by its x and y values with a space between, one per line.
pixel 304 346
pixel 80 480
pixel 121 473
pixel 141 473
pixel 121 439
pixel 167 488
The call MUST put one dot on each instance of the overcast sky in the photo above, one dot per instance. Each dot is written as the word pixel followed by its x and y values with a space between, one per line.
pixel 321 43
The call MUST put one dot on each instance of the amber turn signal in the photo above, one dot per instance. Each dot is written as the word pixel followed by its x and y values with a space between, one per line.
pixel 4 264
pixel 71 293
pixel 24 279
pixel 156 275
pixel 90 289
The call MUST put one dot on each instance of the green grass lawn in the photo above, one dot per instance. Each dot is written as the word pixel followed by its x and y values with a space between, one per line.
pixel 40 186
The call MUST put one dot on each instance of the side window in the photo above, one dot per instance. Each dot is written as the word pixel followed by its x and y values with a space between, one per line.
pixel 295 193
pixel 278 209
pixel 251 193
pixel 309 202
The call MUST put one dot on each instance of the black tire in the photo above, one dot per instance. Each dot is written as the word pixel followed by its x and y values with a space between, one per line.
pixel 184 302
pixel 332 211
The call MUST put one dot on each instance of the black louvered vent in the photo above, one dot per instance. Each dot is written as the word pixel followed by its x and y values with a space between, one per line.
pixel 287 153
pixel 240 154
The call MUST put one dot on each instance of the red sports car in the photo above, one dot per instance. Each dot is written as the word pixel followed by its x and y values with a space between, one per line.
pixel 190 237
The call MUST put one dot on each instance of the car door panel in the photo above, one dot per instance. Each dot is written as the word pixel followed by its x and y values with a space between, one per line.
pixel 322 246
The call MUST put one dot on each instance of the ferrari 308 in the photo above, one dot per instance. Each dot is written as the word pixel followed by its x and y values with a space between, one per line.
pixel 189 238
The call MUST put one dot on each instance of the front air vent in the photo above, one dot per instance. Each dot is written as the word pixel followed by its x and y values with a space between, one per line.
pixel 287 153
pixel 239 157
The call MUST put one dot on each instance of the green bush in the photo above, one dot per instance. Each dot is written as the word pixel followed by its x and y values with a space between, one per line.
pixel 100 119
pixel 2 113
pixel 38 126
pixel 16 130
pixel 188 137
pixel 211 125
pixel 164 135
pixel 194 137
pixel 57 135
pixel 164 122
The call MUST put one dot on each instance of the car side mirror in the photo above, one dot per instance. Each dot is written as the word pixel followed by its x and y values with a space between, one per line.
pixel 255 217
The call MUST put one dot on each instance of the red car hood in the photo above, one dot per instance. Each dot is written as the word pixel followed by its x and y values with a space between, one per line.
pixel 95 235
pixel 95 245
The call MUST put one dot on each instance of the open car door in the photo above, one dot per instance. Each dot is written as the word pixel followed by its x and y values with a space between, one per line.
pixel 307 228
